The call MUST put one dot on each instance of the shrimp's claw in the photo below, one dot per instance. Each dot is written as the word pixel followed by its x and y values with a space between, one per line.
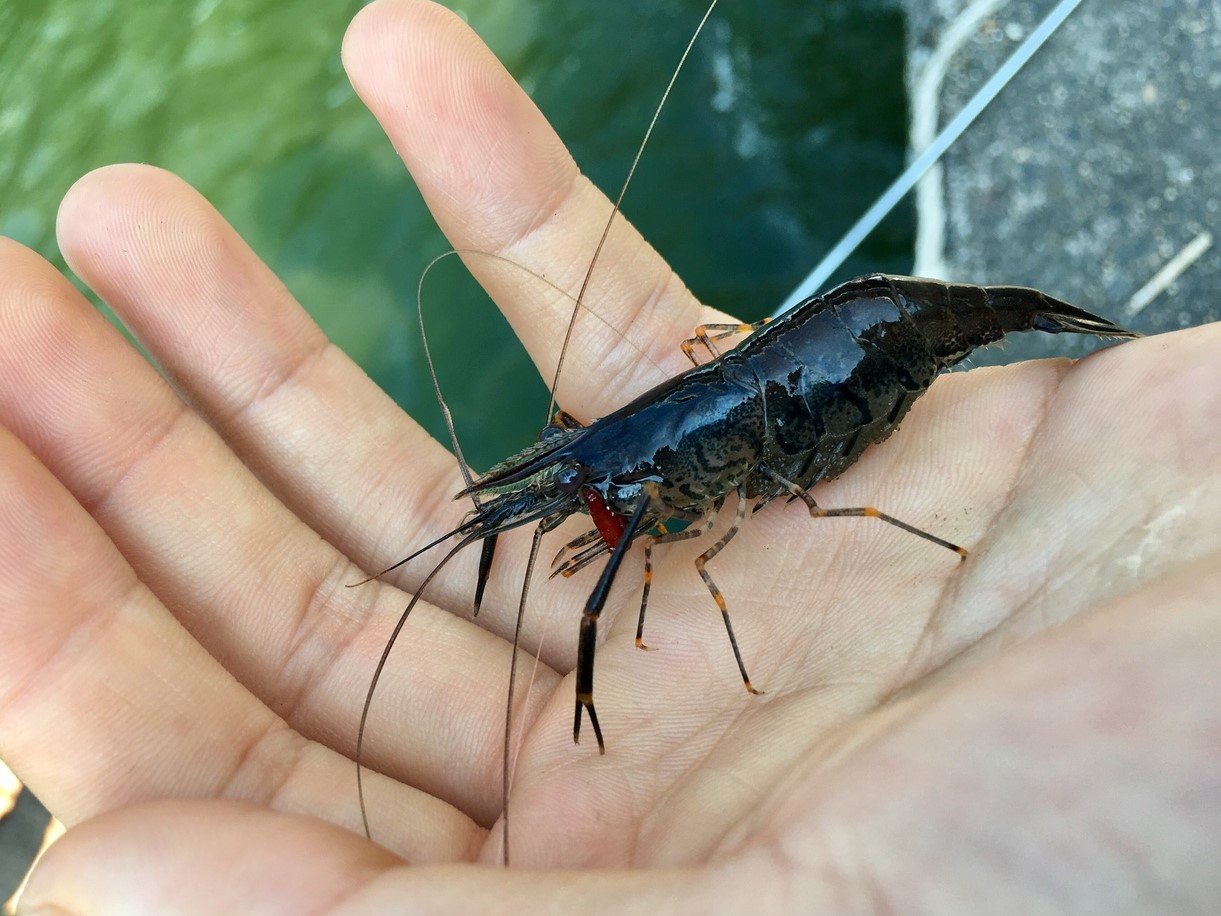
pixel 586 701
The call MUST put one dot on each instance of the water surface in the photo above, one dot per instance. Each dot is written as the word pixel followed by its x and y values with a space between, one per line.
pixel 788 121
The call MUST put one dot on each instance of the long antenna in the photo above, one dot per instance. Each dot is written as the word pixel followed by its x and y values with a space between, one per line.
pixel 505 776
pixel 559 366
pixel 935 150
pixel 377 674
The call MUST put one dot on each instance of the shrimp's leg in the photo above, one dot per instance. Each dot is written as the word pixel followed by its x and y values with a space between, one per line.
pixel 817 511
pixel 589 626
pixel 722 331
pixel 575 544
pixel 562 419
pixel 578 561
pixel 667 538
pixel 700 563
pixel 575 564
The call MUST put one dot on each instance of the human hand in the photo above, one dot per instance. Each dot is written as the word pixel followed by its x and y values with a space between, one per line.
pixel 184 667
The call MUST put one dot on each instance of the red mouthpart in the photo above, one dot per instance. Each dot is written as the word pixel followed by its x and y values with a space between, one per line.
pixel 610 524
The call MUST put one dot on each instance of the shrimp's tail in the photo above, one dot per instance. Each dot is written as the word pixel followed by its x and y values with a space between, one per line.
pixel 956 318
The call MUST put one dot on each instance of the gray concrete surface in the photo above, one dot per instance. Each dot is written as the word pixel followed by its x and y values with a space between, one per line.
pixel 1093 169
pixel 20 836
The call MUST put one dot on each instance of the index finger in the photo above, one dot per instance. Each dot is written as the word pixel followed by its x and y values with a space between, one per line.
pixel 498 179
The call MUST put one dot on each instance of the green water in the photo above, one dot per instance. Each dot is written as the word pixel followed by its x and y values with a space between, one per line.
pixel 790 119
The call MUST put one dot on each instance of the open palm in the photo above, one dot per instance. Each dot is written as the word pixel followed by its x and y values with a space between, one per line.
pixel 183 666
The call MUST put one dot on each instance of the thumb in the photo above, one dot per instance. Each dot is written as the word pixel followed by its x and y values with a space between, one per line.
pixel 194 856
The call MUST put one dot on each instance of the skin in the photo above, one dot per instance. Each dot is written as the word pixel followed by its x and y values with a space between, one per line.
pixel 182 669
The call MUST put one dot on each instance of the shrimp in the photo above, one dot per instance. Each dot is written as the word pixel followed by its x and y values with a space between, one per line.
pixel 795 404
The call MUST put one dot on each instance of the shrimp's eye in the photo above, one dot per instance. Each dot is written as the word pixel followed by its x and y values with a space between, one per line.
pixel 569 478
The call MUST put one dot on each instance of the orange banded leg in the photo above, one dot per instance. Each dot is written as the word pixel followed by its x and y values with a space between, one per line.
pixel 574 545
pixel 666 538
pixel 722 331
pixel 594 548
pixel 817 511
pixel 579 561
pixel 700 562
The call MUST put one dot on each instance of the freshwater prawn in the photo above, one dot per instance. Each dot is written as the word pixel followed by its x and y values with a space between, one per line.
pixel 794 404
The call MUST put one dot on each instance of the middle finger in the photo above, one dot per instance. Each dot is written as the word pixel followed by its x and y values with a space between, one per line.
pixel 324 438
